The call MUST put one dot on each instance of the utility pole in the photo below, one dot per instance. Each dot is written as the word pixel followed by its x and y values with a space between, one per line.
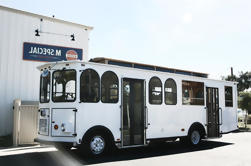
pixel 232 72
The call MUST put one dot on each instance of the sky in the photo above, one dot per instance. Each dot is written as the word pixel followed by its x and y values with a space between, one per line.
pixel 208 36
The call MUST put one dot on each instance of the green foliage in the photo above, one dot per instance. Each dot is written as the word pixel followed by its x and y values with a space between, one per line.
pixel 245 101
pixel 244 80
pixel 231 78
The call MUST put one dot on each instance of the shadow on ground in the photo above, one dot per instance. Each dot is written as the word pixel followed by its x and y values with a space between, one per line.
pixel 56 158
pixel 169 148
pixel 242 129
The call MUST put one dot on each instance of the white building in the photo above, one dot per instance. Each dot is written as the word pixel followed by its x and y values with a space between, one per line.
pixel 26 41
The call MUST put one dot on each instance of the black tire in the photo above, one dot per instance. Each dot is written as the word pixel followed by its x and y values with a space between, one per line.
pixel 194 137
pixel 95 143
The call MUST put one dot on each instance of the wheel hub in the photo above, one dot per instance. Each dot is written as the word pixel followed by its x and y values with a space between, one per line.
pixel 97 144
pixel 195 137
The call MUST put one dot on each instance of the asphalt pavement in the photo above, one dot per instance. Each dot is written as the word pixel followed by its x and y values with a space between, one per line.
pixel 233 149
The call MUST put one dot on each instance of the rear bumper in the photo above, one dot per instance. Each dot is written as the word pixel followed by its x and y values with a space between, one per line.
pixel 44 142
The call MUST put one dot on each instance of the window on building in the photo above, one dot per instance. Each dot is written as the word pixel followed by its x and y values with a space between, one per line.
pixel 109 87
pixel 45 79
pixel 155 91
pixel 228 96
pixel 192 93
pixel 170 92
pixel 64 86
pixel 89 86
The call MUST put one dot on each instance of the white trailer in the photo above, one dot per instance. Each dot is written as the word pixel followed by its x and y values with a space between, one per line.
pixel 94 105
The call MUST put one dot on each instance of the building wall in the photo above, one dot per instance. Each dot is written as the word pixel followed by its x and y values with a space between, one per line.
pixel 20 78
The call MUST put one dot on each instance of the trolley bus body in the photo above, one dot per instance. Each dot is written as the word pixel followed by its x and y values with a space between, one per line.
pixel 133 106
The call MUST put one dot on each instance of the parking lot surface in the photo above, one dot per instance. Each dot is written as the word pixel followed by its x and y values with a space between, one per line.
pixel 232 149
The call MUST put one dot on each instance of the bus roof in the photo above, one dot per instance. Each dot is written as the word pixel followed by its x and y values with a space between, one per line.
pixel 50 65
pixel 146 66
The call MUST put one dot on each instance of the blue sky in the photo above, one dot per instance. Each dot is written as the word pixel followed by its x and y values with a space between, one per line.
pixel 201 35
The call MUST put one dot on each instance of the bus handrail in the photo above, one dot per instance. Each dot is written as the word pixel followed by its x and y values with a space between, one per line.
pixel 146 119
pixel 221 119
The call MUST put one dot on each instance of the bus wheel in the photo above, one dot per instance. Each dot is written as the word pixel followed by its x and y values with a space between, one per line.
pixel 194 137
pixel 95 144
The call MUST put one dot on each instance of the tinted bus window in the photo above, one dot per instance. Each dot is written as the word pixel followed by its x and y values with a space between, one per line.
pixel 228 96
pixel 192 93
pixel 64 86
pixel 109 87
pixel 155 91
pixel 170 92
pixel 89 86
pixel 45 79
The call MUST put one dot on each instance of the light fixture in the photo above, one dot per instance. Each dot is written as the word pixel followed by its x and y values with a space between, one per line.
pixel 37 32
pixel 72 37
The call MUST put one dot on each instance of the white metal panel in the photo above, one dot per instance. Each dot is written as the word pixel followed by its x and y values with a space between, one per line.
pixel 19 78
pixel 65 120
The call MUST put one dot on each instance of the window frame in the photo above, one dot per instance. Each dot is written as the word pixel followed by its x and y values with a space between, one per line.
pixel 99 90
pixel 232 101
pixel 149 89
pixel 204 97
pixel 171 79
pixel 68 101
pixel 49 88
pixel 101 95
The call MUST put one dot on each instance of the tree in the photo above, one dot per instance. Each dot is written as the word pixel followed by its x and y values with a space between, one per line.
pixel 244 80
pixel 245 101
pixel 230 78
pixel 245 104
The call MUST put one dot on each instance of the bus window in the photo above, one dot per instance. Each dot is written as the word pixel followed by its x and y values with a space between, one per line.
pixel 64 86
pixel 89 86
pixel 228 96
pixel 155 91
pixel 45 79
pixel 170 92
pixel 192 93
pixel 109 87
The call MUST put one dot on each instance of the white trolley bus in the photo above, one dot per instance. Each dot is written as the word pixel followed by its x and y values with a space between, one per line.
pixel 106 102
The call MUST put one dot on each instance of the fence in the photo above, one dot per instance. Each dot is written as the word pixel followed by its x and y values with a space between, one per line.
pixel 25 127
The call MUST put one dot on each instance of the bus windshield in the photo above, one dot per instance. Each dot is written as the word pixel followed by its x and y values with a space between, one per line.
pixel 45 87
pixel 64 86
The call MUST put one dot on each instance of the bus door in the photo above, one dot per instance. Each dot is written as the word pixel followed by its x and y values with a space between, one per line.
pixel 213 112
pixel 133 112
